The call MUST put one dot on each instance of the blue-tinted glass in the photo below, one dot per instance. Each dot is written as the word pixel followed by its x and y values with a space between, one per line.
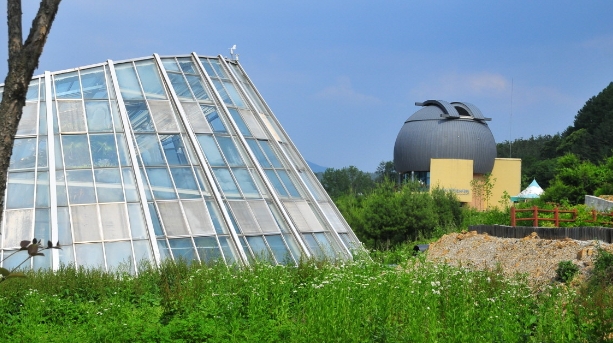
pixel 170 64
pixel 155 219
pixel 230 151
pixel 146 189
pixel 90 256
pixel 42 189
pixel 80 186
pixel 185 183
pixel 98 116
pixel 236 98
pixel 42 152
pixel 104 153
pixel 42 118
pixel 289 185
pixel 122 148
pixel 32 93
pixel 129 185
pixel 280 251
pixel 182 248
pixel 200 178
pixel 197 87
pixel 210 150
pixel 187 66
pixel 255 148
pixel 226 182
pixel 150 79
pixel 161 183
pixel 24 154
pixel 293 246
pixel 128 83
pixel 67 86
pixel 150 151
pixel 20 190
pixel 313 246
pixel 140 119
pixel 245 182
pixel 42 226
pixel 174 149
pixel 207 67
pixel 76 151
pixel 119 256
pixel 239 122
pixel 108 185
pixel 59 161
pixel 94 83
pixel 272 177
pixel 180 86
pixel 272 157
pixel 259 249
pixel 228 250
pixel 63 225
pixel 213 118
pixel 137 222
pixel 116 120
pixel 60 189
pixel 215 217
pixel 208 249
pixel 222 92
pixel 325 244
pixel 220 72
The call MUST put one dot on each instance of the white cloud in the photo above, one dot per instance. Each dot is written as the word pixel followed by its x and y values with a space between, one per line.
pixel 343 91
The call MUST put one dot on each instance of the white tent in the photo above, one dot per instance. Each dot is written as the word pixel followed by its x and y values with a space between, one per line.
pixel 533 191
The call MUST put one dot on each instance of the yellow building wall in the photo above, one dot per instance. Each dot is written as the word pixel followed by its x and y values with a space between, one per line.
pixel 452 175
pixel 507 172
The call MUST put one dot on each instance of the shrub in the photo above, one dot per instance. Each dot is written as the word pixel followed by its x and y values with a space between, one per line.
pixel 603 264
pixel 566 271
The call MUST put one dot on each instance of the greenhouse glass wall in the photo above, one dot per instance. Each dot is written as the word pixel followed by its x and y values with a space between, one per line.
pixel 162 157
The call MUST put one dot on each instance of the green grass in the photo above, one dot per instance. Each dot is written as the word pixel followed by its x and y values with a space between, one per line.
pixel 368 300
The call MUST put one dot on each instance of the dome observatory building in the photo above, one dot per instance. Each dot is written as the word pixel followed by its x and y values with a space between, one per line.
pixel 448 145
pixel 162 157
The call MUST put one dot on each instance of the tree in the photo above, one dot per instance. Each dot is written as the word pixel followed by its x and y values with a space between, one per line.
pixel 386 170
pixel 348 180
pixel 23 60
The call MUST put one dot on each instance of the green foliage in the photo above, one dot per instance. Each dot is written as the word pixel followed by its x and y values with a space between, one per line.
pixel 566 271
pixel 482 189
pixel 344 181
pixel 603 264
pixel 386 171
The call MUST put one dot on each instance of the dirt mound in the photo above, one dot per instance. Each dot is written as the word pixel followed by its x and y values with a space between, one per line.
pixel 537 257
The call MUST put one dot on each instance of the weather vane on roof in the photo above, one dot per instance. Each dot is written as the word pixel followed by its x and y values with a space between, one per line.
pixel 232 54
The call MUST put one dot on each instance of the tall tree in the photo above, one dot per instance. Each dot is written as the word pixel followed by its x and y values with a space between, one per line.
pixel 348 180
pixel 23 60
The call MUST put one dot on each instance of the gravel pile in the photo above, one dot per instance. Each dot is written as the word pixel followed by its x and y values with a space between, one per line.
pixel 537 257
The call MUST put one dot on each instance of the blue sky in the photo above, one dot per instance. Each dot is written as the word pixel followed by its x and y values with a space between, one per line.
pixel 343 76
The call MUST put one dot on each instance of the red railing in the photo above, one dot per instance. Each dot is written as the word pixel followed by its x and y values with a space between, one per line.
pixel 595 215
pixel 535 216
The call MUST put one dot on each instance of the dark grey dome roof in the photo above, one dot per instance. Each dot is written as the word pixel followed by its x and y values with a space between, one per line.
pixel 445 130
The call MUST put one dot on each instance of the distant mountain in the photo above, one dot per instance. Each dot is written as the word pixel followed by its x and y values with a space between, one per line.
pixel 316 168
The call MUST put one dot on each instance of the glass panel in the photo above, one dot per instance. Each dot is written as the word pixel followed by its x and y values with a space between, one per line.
pixel 27 123
pixel 149 149
pixel 244 217
pixel 128 83
pixel 114 220
pixel 63 226
pixel 122 148
pixel 228 250
pixel 85 221
pixel 280 251
pixel 60 189
pixel 163 116
pixel 59 162
pixel 259 249
pixel 42 189
pixel 213 118
pixel 325 244
pixel 220 228
pixel 263 216
pixel 116 120
pixel 155 219
pixel 80 186
pixel 293 246
pixel 272 156
pixel 197 217
pixel 56 126
pixel 311 186
pixel 164 250
pixel 170 64
pixel 143 253
pixel 32 93
pixel 137 222
pixel 146 188
pixel 108 185
pixel 172 218
pixel 90 256
pixel 24 154
pixel 210 150
pixel 200 177
pixel 42 151
pixel 236 98
pixel 313 246
pixel 246 249
pixel 208 249
pixel 226 182
pixel 119 256
pixel 272 177
pixel 222 92
pixel 196 118
pixel 42 262
pixel 94 85
pixel 183 249
pixel 187 66
pixel 71 115
pixel 66 257
pixel 20 190
pixel 67 86
pixel 173 149
pixel 98 116
pixel 289 184
pixel 218 69
pixel 139 116
pixel 104 153
pixel 180 86
pixel 334 219
pixel 239 122
pixel 150 80
pixel 42 118
pixel 197 87
pixel 207 67
pixel 185 183
pixel 161 183
pixel 18 226
pixel 245 182
pixel 230 151
pixel 76 151
pixel 130 185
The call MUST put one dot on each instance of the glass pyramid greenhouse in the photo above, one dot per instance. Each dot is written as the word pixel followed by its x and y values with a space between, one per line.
pixel 162 157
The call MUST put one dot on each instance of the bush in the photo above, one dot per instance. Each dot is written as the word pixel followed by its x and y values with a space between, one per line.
pixel 566 271
pixel 603 264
